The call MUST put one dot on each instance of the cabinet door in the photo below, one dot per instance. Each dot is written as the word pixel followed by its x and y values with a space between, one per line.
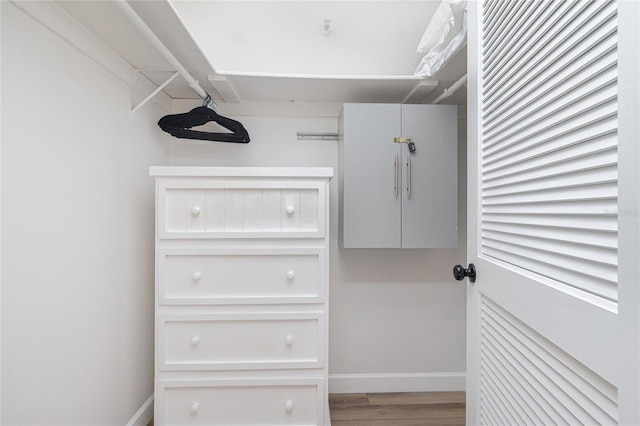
pixel 430 185
pixel 371 189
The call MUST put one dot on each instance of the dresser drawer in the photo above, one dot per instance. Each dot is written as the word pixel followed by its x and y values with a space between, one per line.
pixel 241 209
pixel 241 341
pixel 242 402
pixel 241 276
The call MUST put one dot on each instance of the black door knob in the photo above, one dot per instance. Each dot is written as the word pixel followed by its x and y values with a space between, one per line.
pixel 459 272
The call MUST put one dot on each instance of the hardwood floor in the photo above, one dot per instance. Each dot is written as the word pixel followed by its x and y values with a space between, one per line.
pixel 397 409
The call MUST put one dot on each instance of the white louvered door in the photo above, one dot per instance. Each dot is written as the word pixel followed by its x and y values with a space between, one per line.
pixel 554 213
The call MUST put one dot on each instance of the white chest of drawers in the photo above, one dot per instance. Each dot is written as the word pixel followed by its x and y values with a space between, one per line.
pixel 241 295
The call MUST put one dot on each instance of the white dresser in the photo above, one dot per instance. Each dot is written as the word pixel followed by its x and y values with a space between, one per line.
pixel 241 295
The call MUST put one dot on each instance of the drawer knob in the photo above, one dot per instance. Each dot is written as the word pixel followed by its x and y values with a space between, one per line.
pixel 195 211
pixel 288 340
pixel 290 210
pixel 288 406
pixel 195 407
pixel 196 276
pixel 291 274
pixel 195 340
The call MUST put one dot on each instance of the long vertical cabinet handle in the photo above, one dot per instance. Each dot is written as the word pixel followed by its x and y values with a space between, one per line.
pixel 409 177
pixel 395 163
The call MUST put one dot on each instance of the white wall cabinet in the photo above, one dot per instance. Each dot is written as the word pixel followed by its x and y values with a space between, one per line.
pixel 241 296
pixel 389 197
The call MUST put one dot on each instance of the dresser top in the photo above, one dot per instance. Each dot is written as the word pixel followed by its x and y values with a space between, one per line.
pixel 306 172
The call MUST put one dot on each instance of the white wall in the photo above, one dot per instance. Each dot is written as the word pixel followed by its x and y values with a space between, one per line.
pixel 397 317
pixel 77 234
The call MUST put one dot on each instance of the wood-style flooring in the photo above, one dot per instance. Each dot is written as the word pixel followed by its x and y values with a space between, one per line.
pixel 397 409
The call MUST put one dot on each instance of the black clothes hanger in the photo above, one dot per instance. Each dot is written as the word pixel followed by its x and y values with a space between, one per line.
pixel 179 124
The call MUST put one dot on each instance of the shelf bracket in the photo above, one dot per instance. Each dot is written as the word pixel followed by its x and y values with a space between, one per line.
pixel 155 92
pixel 224 87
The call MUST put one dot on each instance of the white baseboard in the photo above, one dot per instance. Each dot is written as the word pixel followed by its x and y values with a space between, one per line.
pixel 143 416
pixel 399 382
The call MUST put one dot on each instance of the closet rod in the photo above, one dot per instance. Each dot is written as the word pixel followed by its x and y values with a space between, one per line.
pixel 304 136
pixel 451 90
pixel 133 16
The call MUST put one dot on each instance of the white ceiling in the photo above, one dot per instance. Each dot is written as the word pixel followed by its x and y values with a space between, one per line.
pixel 278 50
pixel 276 37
